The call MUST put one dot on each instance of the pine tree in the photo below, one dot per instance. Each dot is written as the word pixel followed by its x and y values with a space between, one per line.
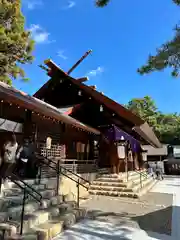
pixel 168 55
pixel 102 3
pixel 15 43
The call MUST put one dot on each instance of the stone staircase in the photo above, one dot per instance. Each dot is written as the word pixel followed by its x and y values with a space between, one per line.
pixel 41 221
pixel 118 185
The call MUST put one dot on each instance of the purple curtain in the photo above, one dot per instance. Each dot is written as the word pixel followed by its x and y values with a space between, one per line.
pixel 115 134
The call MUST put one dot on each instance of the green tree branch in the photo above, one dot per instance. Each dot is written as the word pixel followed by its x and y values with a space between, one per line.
pixel 16 45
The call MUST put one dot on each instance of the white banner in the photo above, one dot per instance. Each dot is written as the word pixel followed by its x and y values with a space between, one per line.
pixel 176 151
pixel 121 152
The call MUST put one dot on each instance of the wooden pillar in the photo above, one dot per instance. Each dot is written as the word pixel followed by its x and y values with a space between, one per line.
pixel 136 162
pixel 112 158
pixel 30 128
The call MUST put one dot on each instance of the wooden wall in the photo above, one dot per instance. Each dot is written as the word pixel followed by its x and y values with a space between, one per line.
pixel 64 138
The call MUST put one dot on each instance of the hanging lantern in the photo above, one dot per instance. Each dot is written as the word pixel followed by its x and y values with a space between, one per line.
pixel 48 142
pixel 101 108
pixel 144 156
pixel 122 148
pixel 79 93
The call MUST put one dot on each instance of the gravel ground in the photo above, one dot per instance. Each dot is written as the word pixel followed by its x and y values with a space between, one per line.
pixel 152 212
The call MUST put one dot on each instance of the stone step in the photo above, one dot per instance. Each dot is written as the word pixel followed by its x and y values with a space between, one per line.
pixel 7 229
pixel 70 217
pixel 43 180
pixel 137 191
pixel 10 209
pixel 15 191
pixel 147 188
pixel 137 185
pixel 121 177
pixel 133 177
pixel 29 221
pixel 53 227
pixel 128 187
pixel 113 180
pixel 51 204
pixel 49 230
pixel 36 218
pixel 14 199
pixel 123 174
pixel 109 176
pixel 110 188
pixel 113 193
pixel 113 184
pixel 46 182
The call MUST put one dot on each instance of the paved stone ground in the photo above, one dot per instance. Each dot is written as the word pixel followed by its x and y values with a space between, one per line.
pixel 128 219
pixel 152 213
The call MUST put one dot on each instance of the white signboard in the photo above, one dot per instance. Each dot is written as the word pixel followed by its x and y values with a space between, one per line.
pixel 176 152
pixel 121 152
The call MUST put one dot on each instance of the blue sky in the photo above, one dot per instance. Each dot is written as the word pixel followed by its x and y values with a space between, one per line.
pixel 121 37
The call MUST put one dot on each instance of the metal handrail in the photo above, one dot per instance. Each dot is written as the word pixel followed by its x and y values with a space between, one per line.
pixel 26 185
pixel 58 170
pixel 67 170
pixel 19 185
pixel 25 195
pixel 144 174
pixel 141 174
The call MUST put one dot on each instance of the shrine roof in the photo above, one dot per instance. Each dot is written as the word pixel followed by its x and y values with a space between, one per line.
pixel 140 126
pixel 12 95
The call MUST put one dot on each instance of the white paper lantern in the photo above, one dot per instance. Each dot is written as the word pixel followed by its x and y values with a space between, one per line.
pixel 121 152
pixel 144 156
pixel 48 142
pixel 101 108
pixel 79 93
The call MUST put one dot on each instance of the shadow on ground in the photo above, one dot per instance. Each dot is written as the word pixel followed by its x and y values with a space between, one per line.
pixel 124 226
pixel 158 221
pixel 100 225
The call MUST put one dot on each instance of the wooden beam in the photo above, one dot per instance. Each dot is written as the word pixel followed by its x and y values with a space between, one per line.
pixel 81 80
pixel 93 87
pixel 78 62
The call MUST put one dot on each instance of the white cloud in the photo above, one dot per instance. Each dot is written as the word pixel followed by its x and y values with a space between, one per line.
pixel 32 4
pixel 95 72
pixel 62 55
pixel 39 34
pixel 70 4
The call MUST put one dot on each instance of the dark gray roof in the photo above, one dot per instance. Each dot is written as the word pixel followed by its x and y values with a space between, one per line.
pixel 151 151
